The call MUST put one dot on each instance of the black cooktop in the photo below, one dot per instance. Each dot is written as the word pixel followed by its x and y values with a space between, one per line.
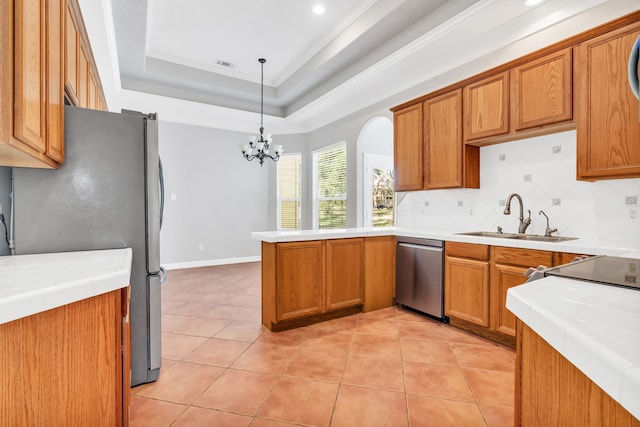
pixel 609 270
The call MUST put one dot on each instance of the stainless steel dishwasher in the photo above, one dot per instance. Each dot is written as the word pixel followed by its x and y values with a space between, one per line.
pixel 419 276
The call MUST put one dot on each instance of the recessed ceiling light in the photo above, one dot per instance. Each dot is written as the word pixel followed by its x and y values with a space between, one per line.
pixel 533 2
pixel 318 9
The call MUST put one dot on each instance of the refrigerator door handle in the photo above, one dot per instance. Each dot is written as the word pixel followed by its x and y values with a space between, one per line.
pixel 163 275
pixel 161 179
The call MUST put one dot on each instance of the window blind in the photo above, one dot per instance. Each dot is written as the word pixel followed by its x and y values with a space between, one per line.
pixel 289 191
pixel 330 187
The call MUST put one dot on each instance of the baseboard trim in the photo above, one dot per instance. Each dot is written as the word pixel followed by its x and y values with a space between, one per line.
pixel 210 262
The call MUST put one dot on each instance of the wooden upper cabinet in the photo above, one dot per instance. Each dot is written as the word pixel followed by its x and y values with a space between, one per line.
pixel 345 275
pixel 486 107
pixel 608 133
pixel 541 91
pixel 300 279
pixel 407 148
pixel 30 74
pixel 443 144
pixel 31 79
pixel 83 79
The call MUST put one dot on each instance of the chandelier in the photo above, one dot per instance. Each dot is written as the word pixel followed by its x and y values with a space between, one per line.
pixel 258 146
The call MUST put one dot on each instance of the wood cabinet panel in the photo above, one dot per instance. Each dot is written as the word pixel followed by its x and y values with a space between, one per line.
pixel 408 148
pixel 541 91
pixel 443 144
pixel 607 112
pixel 301 278
pixel 30 73
pixel 522 257
pixel 486 107
pixel 345 276
pixel 55 72
pixel 467 250
pixel 504 277
pixel 83 79
pixel 467 290
pixel 52 362
pixel 71 57
pixel 379 272
pixel 551 391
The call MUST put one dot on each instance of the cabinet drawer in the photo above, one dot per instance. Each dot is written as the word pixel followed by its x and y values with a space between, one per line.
pixel 522 257
pixel 467 250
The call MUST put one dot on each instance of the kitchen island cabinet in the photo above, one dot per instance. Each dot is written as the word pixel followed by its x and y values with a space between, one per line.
pixel 310 281
pixel 65 355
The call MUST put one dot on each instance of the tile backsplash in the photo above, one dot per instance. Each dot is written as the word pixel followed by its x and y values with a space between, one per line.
pixel 543 171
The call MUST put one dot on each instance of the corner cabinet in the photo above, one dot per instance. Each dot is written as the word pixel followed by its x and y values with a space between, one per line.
pixel 31 83
pixel 408 148
pixel 68 366
pixel 608 115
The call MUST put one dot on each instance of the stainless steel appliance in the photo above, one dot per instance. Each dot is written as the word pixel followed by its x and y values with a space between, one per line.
pixel 107 194
pixel 607 270
pixel 419 276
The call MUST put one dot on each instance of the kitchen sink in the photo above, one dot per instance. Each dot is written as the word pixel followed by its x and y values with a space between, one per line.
pixel 543 238
pixel 532 237
pixel 490 234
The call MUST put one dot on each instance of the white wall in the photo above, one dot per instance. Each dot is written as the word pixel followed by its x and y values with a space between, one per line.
pixel 220 198
pixel 586 209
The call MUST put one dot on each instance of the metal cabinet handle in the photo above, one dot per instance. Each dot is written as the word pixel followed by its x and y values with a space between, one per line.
pixel 633 69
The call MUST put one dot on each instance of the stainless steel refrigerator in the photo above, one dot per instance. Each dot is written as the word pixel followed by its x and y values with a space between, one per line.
pixel 107 194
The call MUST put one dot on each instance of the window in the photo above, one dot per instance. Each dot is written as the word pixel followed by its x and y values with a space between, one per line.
pixel 289 191
pixel 330 187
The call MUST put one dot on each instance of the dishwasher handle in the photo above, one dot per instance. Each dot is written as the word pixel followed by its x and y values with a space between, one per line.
pixel 420 247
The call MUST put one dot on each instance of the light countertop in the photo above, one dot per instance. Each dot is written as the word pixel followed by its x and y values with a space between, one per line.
pixel 579 246
pixel 596 327
pixel 31 284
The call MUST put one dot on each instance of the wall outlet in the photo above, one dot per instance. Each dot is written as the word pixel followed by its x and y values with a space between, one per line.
pixel 528 178
pixel 629 200
pixel 201 247
pixel 460 203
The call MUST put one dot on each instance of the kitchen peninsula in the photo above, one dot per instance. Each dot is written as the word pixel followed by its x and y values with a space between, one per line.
pixel 605 357
pixel 64 337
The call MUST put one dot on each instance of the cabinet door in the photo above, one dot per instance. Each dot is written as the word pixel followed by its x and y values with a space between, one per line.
pixel 486 106
pixel 467 290
pixel 504 277
pixel 344 273
pixel 608 129
pixel 56 10
pixel 407 148
pixel 443 141
pixel 30 88
pixel 300 282
pixel 379 272
pixel 541 91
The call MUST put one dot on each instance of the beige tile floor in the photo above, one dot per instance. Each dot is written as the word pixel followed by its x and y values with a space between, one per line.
pixel 389 367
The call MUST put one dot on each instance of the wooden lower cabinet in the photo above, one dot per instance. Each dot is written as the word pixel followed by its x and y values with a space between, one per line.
pixel 379 272
pixel 467 290
pixel 508 266
pixel 308 281
pixel 551 391
pixel 300 282
pixel 344 273
pixel 477 279
pixel 67 366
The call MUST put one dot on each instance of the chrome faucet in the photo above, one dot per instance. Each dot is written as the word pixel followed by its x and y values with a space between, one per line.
pixel 547 230
pixel 524 223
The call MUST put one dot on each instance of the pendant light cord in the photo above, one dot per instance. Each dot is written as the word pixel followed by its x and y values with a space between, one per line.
pixel 262 61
